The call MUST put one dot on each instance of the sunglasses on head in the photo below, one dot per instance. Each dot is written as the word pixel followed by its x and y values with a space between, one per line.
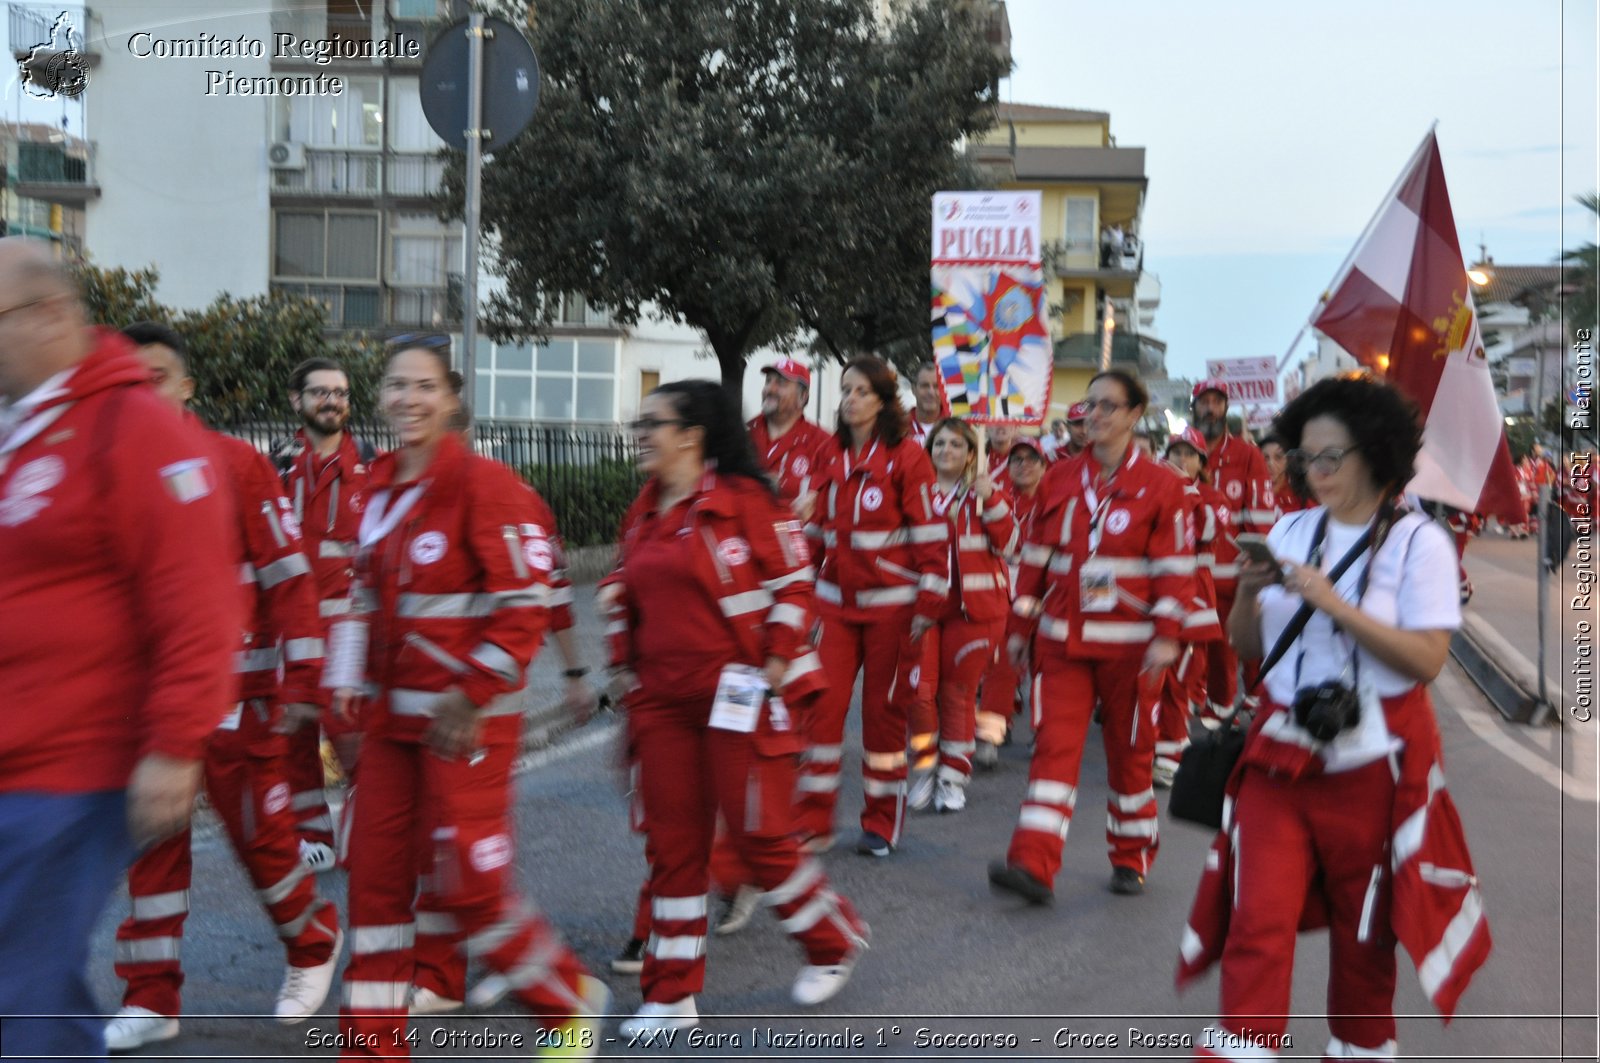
pixel 427 340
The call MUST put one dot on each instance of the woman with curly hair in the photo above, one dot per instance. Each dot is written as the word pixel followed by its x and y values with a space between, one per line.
pixel 1339 814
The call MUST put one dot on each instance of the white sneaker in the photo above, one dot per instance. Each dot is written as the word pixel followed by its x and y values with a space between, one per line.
pixel 318 856
pixel 739 911
pixel 816 985
pixel 921 790
pixel 1162 772
pixel 305 988
pixel 134 1027
pixel 425 1001
pixel 986 756
pixel 489 992
pixel 951 796
pixel 652 1018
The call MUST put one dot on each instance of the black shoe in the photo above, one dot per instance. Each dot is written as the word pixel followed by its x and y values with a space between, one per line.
pixel 631 959
pixel 871 844
pixel 1126 881
pixel 1013 879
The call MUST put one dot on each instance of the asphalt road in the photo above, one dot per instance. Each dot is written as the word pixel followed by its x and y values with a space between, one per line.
pixel 951 958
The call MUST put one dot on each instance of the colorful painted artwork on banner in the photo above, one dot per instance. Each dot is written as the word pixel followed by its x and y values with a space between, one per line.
pixel 991 333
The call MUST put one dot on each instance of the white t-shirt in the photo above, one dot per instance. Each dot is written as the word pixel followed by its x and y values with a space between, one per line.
pixel 1413 587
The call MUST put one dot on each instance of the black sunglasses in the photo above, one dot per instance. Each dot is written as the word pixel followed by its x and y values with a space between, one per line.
pixel 431 341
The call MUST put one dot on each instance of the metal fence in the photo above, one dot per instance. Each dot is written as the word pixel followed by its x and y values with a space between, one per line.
pixel 587 474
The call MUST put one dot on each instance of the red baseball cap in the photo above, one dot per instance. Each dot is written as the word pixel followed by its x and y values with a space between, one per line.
pixel 1029 442
pixel 1190 437
pixel 1208 384
pixel 1078 411
pixel 790 369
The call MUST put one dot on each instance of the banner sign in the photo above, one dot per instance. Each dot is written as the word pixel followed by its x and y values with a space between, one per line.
pixel 1249 380
pixel 991 331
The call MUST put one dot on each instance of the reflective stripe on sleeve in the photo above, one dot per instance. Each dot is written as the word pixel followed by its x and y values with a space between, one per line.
pixel 295 564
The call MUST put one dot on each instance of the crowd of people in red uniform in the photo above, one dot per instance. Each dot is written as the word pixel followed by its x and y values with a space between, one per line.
pixel 396 601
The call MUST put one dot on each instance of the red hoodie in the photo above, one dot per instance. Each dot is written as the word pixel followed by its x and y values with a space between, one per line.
pixel 122 604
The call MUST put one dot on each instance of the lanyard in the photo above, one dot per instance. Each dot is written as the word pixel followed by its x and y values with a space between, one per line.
pixel 1097 505
pixel 1314 559
pixel 381 518
pixel 849 464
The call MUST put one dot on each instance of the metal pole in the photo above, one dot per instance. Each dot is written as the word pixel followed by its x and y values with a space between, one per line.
pixel 475 137
pixel 1542 505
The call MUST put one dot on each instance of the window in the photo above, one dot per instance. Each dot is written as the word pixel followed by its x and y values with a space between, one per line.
pixel 353 119
pixel 563 379
pixel 416 9
pixel 423 250
pixel 1080 224
pixel 576 310
pixel 330 244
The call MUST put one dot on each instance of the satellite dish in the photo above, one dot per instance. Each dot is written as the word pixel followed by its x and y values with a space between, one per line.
pixel 510 84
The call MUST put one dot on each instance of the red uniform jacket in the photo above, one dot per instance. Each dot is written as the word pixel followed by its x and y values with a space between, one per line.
pixel 981 537
pixel 797 460
pixel 1285 501
pixel 453 588
pixel 755 564
pixel 883 546
pixel 325 506
pixel 1239 473
pixel 1437 911
pixel 1132 543
pixel 119 578
pixel 1201 622
pixel 282 628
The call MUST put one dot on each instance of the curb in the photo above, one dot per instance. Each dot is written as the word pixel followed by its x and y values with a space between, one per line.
pixel 1507 678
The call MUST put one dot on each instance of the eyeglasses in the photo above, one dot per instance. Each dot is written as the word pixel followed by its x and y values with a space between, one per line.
pixel 426 340
pixel 320 394
pixel 1327 463
pixel 645 425
pixel 1105 406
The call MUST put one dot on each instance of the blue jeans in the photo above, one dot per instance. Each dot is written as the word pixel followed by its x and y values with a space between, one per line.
pixel 61 855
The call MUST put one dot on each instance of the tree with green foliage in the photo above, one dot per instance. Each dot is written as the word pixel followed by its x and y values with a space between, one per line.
pixel 241 351
pixel 752 168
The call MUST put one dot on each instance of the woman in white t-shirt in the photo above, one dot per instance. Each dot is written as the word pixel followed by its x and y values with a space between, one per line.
pixel 1346 727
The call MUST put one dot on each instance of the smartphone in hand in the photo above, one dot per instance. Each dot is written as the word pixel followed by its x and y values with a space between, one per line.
pixel 1254 547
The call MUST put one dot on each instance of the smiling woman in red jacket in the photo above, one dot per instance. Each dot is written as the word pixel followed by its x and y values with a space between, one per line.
pixel 881 584
pixel 972 626
pixel 450 604
pixel 710 605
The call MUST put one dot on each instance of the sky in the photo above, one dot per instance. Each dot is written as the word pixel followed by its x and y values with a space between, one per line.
pixel 1273 130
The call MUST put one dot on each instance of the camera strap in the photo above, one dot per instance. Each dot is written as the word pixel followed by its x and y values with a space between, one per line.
pixel 1301 618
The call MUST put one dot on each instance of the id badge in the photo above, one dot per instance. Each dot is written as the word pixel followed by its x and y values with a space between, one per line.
pixel 1097 587
pixel 741 692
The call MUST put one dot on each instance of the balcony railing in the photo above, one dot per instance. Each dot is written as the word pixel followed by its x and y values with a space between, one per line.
pixel 332 172
pixel 417 174
pixel 349 172
pixel 349 306
pixel 418 307
pixel 54 173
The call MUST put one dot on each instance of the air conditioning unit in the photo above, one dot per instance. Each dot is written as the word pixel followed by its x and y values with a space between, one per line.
pixel 287 155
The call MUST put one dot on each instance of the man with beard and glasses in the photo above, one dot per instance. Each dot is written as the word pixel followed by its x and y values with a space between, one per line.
pixel 324 468
pixel 1239 473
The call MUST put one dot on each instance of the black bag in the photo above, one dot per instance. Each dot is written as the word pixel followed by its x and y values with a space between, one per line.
pixel 1201 782
pixel 1202 779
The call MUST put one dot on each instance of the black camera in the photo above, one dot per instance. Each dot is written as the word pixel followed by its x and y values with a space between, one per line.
pixel 1326 710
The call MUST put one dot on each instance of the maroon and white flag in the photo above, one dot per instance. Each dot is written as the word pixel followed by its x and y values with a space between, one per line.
pixel 1403 307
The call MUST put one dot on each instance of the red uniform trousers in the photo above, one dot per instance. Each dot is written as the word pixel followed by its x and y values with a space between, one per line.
pixel 998 702
pixel 966 651
pixel 1064 694
pixel 1222 678
pixel 1332 830
pixel 883 652
pixel 924 715
pixel 244 780
pixel 451 817
pixel 689 774
pixel 303 772
pixel 1182 687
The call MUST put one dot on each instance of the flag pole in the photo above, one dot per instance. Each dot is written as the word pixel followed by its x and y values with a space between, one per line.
pixel 1344 267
